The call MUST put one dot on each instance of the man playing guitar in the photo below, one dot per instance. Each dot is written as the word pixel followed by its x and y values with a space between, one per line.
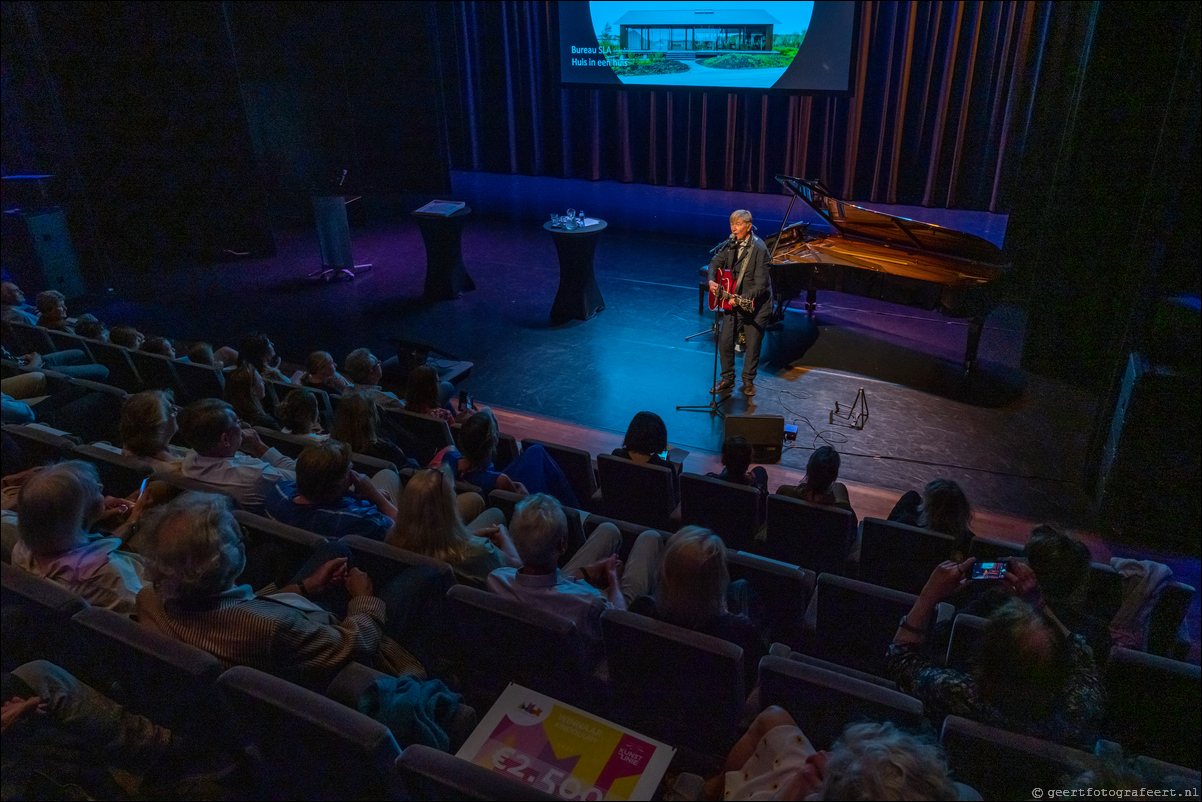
pixel 740 281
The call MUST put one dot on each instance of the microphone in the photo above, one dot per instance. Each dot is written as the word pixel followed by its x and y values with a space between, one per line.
pixel 340 180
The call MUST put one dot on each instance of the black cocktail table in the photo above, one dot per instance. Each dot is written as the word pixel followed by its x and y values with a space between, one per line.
pixel 578 297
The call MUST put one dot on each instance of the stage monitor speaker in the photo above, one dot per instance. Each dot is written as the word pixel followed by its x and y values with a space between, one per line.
pixel 766 433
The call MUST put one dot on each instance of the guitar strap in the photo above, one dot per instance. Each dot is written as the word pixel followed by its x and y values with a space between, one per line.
pixel 743 261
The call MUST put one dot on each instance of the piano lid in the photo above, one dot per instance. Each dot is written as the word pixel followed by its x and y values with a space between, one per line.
pixel 857 223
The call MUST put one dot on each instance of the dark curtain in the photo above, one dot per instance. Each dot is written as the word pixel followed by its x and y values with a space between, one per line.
pixel 937 115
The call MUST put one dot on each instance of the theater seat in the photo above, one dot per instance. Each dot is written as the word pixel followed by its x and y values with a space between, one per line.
pixel 779 593
pixel 199 381
pixel 498 641
pixel 274 551
pixel 157 372
pixel 856 622
pixel 1153 706
pixel 120 475
pixel 640 494
pixel 577 466
pixel 674 684
pixel 731 510
pixel 122 372
pixel 813 536
pixel 36 616
pixel 1005 765
pixel 428 774
pixel 311 747
pixel 827 701
pixel 898 556
pixel 168 681
pixel 38 446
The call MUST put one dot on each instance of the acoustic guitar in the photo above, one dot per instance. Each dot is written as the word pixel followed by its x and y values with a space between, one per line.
pixel 725 299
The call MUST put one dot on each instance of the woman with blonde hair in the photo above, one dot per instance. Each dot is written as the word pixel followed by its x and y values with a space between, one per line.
pixel 357 423
pixel 321 373
pixel 429 522
pixel 692 591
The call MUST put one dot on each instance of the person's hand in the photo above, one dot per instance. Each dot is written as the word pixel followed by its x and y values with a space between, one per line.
pixel 603 572
pixel 714 287
pixel 330 574
pixel 361 486
pixel 16 707
pixel 252 443
pixel 358 584
pixel 114 508
pixel 18 479
pixel 495 534
pixel 946 579
pixel 1020 580
pixel 33 360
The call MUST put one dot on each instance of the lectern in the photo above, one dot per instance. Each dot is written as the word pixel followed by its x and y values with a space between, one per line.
pixel 334 238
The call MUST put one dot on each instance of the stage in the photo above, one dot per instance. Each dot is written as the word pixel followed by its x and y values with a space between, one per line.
pixel 1014 441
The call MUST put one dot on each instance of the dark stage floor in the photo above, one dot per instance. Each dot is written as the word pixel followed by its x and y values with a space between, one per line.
pixel 1013 440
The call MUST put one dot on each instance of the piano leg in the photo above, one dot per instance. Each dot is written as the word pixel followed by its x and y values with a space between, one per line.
pixel 975 327
pixel 811 299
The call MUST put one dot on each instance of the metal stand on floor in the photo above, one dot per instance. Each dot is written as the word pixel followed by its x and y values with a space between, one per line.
pixel 334 238
pixel 715 404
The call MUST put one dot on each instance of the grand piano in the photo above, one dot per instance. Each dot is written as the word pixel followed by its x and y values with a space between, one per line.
pixel 878 255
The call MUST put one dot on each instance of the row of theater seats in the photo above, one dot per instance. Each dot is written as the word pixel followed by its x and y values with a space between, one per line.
pixel 486 642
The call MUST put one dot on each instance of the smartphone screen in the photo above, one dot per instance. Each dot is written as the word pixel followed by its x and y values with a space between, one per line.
pixel 464 400
pixel 988 570
pixel 142 489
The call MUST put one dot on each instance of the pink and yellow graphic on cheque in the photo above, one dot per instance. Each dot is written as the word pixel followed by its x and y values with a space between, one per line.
pixel 570 754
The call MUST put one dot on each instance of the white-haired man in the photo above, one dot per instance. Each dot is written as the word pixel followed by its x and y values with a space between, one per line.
pixel 593 581
pixel 747 261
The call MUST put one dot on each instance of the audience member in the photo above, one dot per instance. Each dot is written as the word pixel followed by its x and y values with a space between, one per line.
pixel 429 522
pixel 592 581
pixel 52 311
pixel 422 396
pixel 88 326
pixel 692 592
pixel 331 499
pixel 245 390
pixel 534 471
pixel 258 350
pixel 13 308
pixel 322 374
pixel 357 423
pixel 56 510
pixel 148 422
pixel 364 369
pixel 201 353
pixel 297 414
pixel 646 443
pixel 819 486
pixel 1031 675
pixel 29 398
pixel 65 740
pixel 194 557
pixel 1061 565
pixel 159 345
pixel 736 468
pixel 775 760
pixel 127 337
pixel 943 508
pixel 72 362
pixel 216 435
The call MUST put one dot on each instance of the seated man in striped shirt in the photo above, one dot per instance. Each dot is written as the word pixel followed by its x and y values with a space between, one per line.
pixel 331 499
pixel 194 557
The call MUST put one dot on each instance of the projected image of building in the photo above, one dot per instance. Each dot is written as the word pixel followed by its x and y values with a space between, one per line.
pixel 697 32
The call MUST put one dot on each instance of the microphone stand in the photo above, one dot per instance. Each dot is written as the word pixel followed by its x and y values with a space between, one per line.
pixel 715 404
